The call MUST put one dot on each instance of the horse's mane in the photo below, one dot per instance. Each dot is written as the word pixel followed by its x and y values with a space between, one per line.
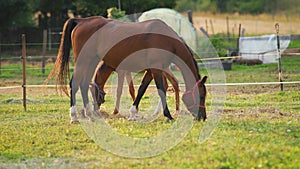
pixel 192 55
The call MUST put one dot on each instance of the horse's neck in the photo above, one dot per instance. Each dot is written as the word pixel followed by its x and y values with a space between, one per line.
pixel 188 66
pixel 188 71
pixel 189 79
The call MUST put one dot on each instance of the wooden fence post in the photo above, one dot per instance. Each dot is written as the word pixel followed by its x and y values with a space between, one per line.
pixel 238 41
pixel 279 56
pixel 190 16
pixel 206 26
pixel 212 27
pixel 24 69
pixel 227 23
pixel 0 61
pixel 44 50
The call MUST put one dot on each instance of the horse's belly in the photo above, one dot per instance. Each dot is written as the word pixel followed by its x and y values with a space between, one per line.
pixel 141 60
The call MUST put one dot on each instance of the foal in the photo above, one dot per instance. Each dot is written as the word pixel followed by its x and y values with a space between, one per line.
pixel 104 72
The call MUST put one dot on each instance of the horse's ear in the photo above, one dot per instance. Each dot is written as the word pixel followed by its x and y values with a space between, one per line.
pixel 203 80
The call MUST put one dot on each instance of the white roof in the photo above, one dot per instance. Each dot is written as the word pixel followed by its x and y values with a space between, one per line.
pixel 178 22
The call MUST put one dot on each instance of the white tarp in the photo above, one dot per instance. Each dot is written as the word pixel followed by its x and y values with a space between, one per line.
pixel 263 47
pixel 179 23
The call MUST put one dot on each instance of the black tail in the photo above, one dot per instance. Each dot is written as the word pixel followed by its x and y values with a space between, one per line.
pixel 61 68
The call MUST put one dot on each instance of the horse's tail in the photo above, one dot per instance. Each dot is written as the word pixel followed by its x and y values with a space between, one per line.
pixel 61 67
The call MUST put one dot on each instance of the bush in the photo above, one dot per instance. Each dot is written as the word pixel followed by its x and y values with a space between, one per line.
pixel 223 44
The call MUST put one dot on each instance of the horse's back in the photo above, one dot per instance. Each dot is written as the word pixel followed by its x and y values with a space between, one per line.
pixel 115 40
pixel 154 26
pixel 138 45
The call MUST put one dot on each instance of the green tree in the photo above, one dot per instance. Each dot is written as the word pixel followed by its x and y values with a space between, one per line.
pixel 95 7
pixel 85 8
pixel 15 13
pixel 52 13
pixel 137 6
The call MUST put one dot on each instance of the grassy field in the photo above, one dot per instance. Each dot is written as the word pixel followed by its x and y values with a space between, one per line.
pixel 259 128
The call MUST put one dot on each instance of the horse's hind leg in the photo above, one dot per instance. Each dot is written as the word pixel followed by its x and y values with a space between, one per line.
pixel 121 75
pixel 94 91
pixel 141 91
pixel 73 91
pixel 159 81
pixel 130 85
pixel 84 93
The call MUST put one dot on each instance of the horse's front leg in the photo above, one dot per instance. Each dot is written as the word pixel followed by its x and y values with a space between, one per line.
pixel 121 75
pixel 159 81
pixel 141 91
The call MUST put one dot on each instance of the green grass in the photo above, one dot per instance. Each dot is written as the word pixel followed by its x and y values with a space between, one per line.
pixel 265 72
pixel 294 44
pixel 247 136
pixel 259 128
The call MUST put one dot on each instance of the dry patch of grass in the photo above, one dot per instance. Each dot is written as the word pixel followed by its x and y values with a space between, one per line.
pixel 253 24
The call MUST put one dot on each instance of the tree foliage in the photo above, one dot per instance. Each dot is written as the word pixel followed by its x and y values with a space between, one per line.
pixel 53 13
pixel 95 7
pixel 14 13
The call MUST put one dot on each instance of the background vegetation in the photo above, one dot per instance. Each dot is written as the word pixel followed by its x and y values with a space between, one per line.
pixel 33 16
pixel 21 13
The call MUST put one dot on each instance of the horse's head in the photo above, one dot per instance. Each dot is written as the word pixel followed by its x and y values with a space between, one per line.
pixel 194 101
pixel 98 95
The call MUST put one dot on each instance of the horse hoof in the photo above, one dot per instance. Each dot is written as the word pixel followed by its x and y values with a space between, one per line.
pixel 170 120
pixel 132 118
pixel 177 112
pixel 98 114
pixel 203 117
pixel 155 114
pixel 91 119
pixel 74 122
pixel 199 118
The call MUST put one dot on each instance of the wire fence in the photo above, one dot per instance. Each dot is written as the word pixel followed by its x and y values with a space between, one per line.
pixel 40 60
pixel 39 63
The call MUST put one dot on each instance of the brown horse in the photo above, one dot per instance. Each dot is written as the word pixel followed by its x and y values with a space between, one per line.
pixel 137 46
pixel 104 72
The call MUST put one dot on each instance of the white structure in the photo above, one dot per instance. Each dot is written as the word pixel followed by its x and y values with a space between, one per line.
pixel 179 23
pixel 263 48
